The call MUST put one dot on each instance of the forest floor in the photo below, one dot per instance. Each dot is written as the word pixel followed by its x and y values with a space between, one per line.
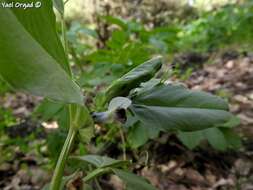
pixel 172 166
pixel 177 168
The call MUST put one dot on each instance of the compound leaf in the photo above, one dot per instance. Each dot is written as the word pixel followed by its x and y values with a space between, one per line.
pixel 173 107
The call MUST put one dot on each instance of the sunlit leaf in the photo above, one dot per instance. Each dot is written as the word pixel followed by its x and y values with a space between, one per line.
pixel 32 58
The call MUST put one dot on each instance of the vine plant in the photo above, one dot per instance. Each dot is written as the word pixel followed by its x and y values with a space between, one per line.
pixel 32 59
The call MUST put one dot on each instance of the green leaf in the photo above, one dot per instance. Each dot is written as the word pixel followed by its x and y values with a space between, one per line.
pixel 62 117
pixel 232 138
pixel 216 138
pixel 118 40
pixel 172 108
pixel 133 182
pixel 47 109
pixel 219 138
pixel 133 78
pixel 32 58
pixel 95 173
pixel 178 96
pixel 40 23
pixel 137 136
pixel 115 20
pixel 86 134
pixel 133 54
pixel 59 5
pixel 80 116
pixel 55 141
pixel 184 119
pixel 100 161
pixel 190 139
pixel 146 86
pixel 233 122
pixel 81 120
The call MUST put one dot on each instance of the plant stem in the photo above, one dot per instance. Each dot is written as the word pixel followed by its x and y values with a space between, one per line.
pixel 58 172
pixel 97 184
pixel 65 40
pixel 123 142
pixel 64 36
pixel 59 169
pixel 95 179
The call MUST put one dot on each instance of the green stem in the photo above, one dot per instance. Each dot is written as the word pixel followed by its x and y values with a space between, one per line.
pixel 95 179
pixel 59 169
pixel 65 40
pixel 58 172
pixel 97 184
pixel 64 36
pixel 123 142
